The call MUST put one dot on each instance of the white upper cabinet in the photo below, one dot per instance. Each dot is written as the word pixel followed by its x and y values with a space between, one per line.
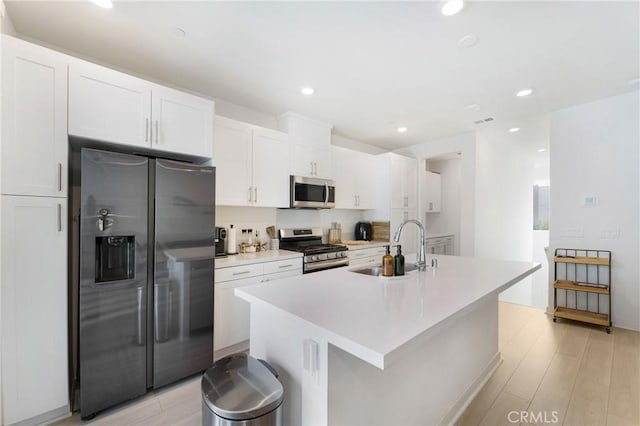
pixel 270 165
pixel 232 158
pixel 114 107
pixel 310 161
pixel 353 172
pixel 404 181
pixel 109 106
pixel 432 192
pixel 181 122
pixel 34 122
pixel 252 165
pixel 310 145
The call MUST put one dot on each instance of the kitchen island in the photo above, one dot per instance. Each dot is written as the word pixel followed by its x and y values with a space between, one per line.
pixel 358 349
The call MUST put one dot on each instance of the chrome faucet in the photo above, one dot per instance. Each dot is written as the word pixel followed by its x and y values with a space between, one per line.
pixel 422 255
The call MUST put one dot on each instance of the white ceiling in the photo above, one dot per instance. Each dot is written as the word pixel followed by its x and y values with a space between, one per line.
pixel 373 64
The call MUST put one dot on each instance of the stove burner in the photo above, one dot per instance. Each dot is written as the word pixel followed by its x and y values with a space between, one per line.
pixel 317 256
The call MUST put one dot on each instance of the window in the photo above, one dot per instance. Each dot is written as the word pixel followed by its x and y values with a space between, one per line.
pixel 540 208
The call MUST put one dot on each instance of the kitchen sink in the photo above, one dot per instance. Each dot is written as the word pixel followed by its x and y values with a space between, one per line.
pixel 376 271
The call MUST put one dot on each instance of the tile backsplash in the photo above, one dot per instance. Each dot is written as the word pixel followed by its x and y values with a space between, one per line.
pixel 258 218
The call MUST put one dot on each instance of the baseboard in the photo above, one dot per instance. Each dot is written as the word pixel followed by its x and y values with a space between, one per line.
pixel 46 418
pixel 467 397
pixel 238 347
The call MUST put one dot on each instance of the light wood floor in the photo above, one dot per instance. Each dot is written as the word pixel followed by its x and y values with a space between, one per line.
pixel 583 374
pixel 586 376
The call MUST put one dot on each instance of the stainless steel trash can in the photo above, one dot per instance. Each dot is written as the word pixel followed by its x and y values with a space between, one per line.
pixel 241 390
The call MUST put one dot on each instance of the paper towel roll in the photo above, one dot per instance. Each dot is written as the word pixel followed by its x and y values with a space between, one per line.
pixel 232 247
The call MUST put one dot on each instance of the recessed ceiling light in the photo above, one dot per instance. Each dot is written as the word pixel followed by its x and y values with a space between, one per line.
pixel 307 90
pixel 107 4
pixel 514 129
pixel 451 7
pixel 468 41
pixel 402 129
pixel 524 92
pixel 541 150
pixel 633 81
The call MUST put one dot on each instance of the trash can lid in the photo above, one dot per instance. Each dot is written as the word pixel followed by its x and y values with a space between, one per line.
pixel 239 387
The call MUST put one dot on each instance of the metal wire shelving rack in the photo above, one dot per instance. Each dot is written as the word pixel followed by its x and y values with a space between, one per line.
pixel 582 286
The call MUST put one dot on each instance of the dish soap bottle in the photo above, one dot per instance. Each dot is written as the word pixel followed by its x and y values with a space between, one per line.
pixel 398 262
pixel 387 263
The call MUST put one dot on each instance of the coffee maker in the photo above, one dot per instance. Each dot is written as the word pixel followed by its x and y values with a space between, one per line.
pixel 220 239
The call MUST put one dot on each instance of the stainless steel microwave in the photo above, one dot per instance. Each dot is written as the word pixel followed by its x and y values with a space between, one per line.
pixel 312 193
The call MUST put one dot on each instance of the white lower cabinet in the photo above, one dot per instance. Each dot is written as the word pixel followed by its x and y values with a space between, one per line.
pixel 231 314
pixel 34 307
pixel 366 256
pixel 440 245
pixel 410 233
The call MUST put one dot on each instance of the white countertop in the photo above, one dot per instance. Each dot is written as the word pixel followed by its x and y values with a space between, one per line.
pixel 371 244
pixel 257 257
pixel 190 253
pixel 367 244
pixel 370 317
pixel 438 235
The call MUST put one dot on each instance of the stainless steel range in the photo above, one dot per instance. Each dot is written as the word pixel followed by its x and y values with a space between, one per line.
pixel 317 256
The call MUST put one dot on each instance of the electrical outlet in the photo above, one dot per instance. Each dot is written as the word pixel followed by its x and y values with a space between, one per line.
pixel 571 232
pixel 610 233
pixel 589 201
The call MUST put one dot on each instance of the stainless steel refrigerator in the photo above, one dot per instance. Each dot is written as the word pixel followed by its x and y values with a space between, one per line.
pixel 145 280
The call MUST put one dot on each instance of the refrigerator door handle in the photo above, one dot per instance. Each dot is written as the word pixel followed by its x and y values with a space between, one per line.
pixel 140 318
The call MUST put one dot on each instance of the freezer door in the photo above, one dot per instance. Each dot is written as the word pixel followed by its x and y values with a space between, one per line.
pixel 183 277
pixel 113 279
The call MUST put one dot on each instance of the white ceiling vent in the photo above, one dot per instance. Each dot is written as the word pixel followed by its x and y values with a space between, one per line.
pixel 484 120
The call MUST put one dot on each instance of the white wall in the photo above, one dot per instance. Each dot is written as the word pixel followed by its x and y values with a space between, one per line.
pixel 355 145
pixel 248 115
pixel 466 145
pixel 3 26
pixel 505 164
pixel 448 219
pixel 594 151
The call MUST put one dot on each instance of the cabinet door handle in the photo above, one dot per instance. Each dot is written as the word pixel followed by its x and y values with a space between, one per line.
pixel 157 131
pixel 146 130
pixel 250 194
pixel 430 206
pixel 311 166
pixel 240 273
pixel 255 194
pixel 285 266
pixel 59 176
pixel 315 169
pixel 59 217
pixel 358 201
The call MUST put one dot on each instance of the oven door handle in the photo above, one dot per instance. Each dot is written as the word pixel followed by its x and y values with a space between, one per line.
pixel 315 266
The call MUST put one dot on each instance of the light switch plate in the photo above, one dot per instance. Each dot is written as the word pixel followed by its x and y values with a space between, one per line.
pixel 589 201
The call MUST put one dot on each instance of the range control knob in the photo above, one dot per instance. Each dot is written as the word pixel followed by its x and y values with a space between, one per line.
pixel 315 257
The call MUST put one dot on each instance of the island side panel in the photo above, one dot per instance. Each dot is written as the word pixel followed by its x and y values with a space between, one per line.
pixel 430 380
pixel 279 338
